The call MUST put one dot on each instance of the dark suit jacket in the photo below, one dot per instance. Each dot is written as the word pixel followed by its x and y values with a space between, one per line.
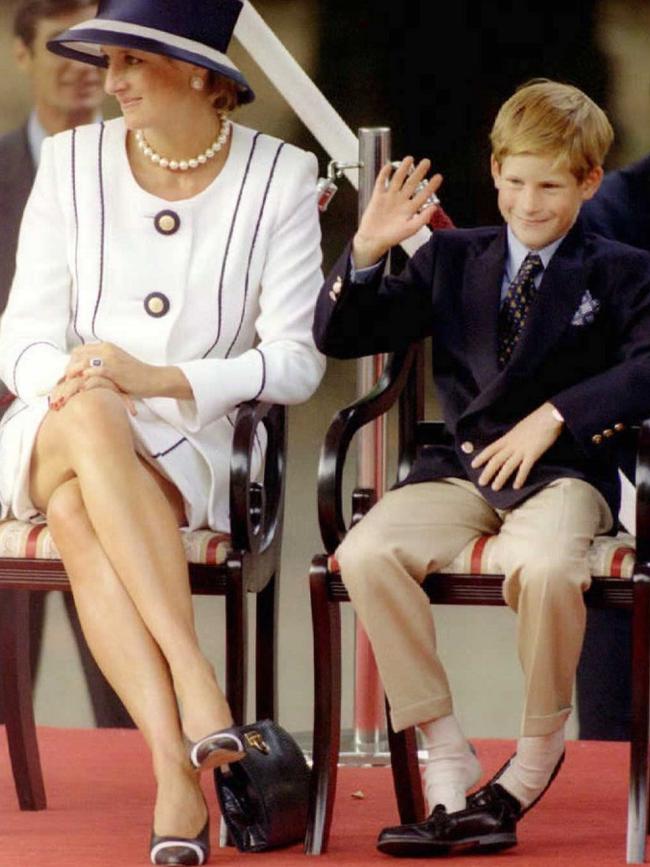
pixel 595 368
pixel 621 207
pixel 620 210
pixel 16 182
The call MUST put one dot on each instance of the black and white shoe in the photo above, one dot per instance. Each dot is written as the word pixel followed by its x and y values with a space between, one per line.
pixel 181 850
pixel 216 749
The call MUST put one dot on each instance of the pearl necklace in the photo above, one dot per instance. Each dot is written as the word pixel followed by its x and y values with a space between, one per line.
pixel 184 165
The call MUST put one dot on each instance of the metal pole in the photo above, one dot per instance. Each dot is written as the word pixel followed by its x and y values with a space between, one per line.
pixel 290 80
pixel 369 722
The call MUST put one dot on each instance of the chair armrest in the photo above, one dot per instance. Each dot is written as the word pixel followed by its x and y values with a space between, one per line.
pixel 643 496
pixel 256 509
pixel 339 435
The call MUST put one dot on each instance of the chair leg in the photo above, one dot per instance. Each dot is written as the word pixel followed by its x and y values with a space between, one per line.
pixel 16 679
pixel 327 708
pixel 406 773
pixel 236 641
pixel 637 819
pixel 266 701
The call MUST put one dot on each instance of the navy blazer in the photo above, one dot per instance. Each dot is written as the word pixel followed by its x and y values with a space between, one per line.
pixel 621 207
pixel 16 181
pixel 585 347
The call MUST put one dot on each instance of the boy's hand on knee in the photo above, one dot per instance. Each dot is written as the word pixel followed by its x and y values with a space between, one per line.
pixel 519 449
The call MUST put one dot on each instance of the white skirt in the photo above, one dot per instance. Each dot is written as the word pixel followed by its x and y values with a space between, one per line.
pixel 199 466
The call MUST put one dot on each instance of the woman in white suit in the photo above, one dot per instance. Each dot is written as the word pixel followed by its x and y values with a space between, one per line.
pixel 167 270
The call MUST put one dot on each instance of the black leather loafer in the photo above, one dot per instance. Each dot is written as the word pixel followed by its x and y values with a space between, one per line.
pixel 486 793
pixel 488 828
pixel 487 824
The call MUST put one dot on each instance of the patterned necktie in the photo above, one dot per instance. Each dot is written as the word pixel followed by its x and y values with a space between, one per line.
pixel 516 303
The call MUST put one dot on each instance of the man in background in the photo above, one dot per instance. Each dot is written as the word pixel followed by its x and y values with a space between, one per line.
pixel 621 211
pixel 65 94
pixel 621 208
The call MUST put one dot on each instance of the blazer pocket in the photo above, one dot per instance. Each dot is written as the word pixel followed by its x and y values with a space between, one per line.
pixel 586 312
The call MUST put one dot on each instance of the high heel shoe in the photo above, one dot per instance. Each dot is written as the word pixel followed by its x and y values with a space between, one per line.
pixel 181 850
pixel 216 749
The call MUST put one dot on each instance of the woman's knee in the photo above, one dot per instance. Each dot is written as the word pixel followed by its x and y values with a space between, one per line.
pixel 66 514
pixel 95 419
pixel 99 412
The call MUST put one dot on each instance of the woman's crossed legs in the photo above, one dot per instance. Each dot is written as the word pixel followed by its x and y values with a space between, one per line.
pixel 115 522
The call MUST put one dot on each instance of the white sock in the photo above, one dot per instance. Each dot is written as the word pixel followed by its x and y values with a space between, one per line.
pixel 528 773
pixel 450 768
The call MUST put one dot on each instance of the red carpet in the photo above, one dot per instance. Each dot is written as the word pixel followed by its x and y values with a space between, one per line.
pixel 100 795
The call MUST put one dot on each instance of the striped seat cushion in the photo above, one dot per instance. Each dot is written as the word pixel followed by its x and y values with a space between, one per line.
pixel 21 539
pixel 609 557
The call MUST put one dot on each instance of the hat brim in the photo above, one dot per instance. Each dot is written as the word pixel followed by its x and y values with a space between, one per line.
pixel 82 42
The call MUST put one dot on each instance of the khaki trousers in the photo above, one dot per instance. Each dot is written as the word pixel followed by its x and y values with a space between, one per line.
pixel 542 546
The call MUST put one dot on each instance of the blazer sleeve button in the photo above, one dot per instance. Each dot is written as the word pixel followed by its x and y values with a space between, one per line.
pixel 619 426
pixel 608 432
pixel 597 439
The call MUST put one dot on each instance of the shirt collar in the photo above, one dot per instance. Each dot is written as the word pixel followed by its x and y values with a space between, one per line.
pixel 517 253
pixel 36 135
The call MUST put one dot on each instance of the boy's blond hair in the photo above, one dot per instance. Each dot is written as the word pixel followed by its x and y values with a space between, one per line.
pixel 554 119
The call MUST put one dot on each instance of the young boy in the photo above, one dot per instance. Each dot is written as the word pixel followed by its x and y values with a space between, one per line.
pixel 541 357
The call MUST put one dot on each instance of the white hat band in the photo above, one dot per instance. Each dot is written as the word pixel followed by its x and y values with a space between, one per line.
pixel 180 42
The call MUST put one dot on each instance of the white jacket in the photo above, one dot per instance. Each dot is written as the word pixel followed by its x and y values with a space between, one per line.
pixel 236 282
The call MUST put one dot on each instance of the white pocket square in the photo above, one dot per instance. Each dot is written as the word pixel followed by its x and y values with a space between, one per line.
pixel 587 309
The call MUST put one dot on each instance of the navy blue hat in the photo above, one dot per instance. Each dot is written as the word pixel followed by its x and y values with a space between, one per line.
pixel 196 31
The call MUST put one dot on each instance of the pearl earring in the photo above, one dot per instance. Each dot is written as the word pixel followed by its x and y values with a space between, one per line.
pixel 197 83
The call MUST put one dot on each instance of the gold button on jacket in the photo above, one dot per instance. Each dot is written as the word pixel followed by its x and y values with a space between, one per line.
pixel 156 304
pixel 167 222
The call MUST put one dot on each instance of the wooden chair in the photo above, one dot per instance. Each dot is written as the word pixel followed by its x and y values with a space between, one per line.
pixel 621 581
pixel 247 560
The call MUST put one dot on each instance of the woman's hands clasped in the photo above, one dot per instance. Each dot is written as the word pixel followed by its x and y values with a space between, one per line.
pixel 393 213
pixel 104 365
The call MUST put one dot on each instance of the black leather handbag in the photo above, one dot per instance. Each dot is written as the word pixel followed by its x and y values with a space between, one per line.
pixel 263 797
